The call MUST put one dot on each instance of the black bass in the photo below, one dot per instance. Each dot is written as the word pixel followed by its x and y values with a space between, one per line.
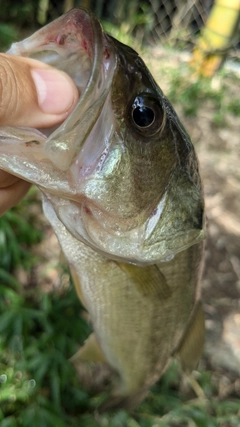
pixel 122 190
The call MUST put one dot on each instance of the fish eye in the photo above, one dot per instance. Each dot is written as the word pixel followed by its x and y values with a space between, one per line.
pixel 146 114
pixel 143 116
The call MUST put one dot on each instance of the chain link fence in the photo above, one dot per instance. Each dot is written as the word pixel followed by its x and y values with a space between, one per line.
pixel 178 23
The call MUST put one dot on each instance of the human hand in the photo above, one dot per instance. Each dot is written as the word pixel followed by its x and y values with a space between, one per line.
pixel 32 94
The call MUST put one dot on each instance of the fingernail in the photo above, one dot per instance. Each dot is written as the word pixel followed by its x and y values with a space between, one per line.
pixel 56 92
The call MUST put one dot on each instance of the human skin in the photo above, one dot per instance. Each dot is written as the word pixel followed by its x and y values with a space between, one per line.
pixel 32 94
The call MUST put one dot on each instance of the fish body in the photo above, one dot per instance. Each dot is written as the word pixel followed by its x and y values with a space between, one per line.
pixel 122 190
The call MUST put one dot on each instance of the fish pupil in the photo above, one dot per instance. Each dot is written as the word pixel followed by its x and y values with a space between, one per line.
pixel 143 116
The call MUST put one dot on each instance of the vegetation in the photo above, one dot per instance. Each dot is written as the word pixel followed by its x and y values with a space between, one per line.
pixel 8 35
pixel 193 93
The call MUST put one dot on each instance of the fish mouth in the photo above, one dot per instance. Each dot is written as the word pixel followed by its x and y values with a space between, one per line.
pixel 63 162
pixel 76 44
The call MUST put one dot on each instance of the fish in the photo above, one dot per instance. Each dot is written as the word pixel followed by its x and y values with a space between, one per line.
pixel 121 188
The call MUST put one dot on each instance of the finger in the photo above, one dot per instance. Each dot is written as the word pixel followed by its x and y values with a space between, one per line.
pixel 12 194
pixel 6 179
pixel 34 94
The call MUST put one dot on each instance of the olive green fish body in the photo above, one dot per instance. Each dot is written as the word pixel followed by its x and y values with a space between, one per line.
pixel 139 314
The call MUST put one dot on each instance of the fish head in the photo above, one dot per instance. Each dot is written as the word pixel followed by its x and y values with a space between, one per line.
pixel 120 172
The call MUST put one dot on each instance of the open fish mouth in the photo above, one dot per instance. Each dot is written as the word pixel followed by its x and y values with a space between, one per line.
pixel 125 190
pixel 76 44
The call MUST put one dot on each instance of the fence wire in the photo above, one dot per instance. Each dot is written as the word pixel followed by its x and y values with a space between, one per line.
pixel 179 19
pixel 178 23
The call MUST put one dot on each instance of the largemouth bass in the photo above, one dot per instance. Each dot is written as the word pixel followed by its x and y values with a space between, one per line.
pixel 122 190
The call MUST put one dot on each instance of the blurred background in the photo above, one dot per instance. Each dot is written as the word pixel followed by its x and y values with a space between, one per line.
pixel 152 22
pixel 192 49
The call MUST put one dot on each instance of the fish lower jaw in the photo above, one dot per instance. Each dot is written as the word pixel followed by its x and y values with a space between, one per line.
pixel 133 247
pixel 130 246
pixel 134 253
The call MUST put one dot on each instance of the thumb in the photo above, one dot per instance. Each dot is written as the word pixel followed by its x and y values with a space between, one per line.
pixel 34 94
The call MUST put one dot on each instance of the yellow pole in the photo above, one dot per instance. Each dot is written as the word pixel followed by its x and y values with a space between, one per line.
pixel 216 37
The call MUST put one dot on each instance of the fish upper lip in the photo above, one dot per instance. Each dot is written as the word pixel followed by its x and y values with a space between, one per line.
pixel 76 126
pixel 75 36
pixel 79 29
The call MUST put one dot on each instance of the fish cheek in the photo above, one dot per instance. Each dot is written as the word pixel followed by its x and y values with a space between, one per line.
pixel 151 166
pixel 148 162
